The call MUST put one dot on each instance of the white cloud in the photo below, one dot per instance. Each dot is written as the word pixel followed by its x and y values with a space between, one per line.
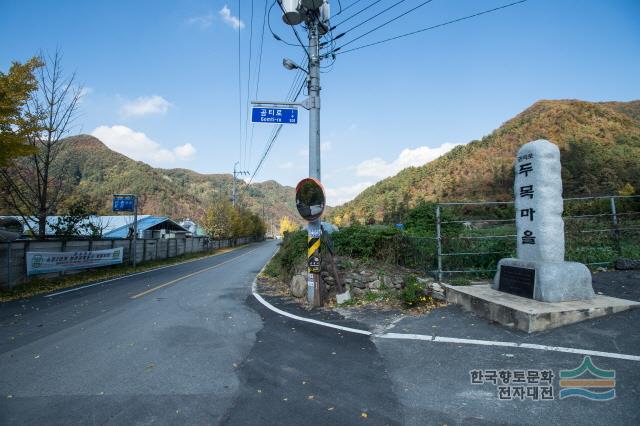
pixel 145 105
pixel 325 146
pixel 229 19
pixel 286 165
pixel 203 21
pixel 140 147
pixel 342 194
pixel 185 152
pixel 379 168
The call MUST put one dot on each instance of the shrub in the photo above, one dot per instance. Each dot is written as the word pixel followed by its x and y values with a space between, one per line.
pixel 413 292
pixel 293 252
pixel 368 242
pixel 459 281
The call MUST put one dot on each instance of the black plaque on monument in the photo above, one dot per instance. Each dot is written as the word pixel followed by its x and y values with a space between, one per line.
pixel 518 281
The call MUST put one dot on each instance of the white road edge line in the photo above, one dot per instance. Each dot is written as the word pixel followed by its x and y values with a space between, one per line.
pixel 426 337
pixel 71 290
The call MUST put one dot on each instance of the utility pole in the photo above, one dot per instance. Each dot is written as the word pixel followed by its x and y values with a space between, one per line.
pixel 314 229
pixel 239 172
pixel 315 14
pixel 314 98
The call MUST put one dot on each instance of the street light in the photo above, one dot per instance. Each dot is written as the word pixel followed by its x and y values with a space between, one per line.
pixel 290 65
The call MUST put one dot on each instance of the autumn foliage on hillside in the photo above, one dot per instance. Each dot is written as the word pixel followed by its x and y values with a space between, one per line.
pixel 600 154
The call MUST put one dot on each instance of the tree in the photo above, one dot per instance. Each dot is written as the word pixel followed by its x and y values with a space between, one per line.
pixel 76 222
pixel 287 225
pixel 16 122
pixel 218 220
pixel 34 186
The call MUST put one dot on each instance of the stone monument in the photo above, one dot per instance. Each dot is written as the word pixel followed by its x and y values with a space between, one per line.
pixel 540 271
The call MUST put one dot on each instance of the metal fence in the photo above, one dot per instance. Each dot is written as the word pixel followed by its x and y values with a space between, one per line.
pixel 471 237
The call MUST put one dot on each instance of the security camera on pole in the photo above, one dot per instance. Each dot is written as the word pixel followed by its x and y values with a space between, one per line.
pixel 315 14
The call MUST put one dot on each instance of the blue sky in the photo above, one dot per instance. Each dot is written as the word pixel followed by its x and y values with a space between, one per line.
pixel 161 77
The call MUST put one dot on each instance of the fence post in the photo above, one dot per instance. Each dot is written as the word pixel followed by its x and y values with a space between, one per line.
pixel 439 243
pixel 614 220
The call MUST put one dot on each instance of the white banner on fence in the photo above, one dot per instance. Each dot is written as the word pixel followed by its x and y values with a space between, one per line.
pixel 45 262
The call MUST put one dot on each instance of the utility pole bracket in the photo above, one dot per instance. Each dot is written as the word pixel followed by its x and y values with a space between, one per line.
pixel 310 102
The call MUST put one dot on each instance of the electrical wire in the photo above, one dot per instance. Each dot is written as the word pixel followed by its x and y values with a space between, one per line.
pixel 295 32
pixel 276 132
pixel 348 7
pixel 357 13
pixel 383 24
pixel 246 118
pixel 373 17
pixel 264 19
pixel 239 84
pixel 276 36
pixel 336 51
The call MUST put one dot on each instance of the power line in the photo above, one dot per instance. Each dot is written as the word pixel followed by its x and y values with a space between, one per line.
pixel 373 17
pixel 357 13
pixel 383 24
pixel 239 85
pixel 336 51
pixel 264 20
pixel 346 8
pixel 246 119
pixel 276 132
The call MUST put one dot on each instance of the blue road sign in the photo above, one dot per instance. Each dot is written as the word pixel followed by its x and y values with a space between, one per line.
pixel 124 203
pixel 274 115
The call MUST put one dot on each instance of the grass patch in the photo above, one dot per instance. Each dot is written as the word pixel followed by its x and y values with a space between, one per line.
pixel 460 281
pixel 44 285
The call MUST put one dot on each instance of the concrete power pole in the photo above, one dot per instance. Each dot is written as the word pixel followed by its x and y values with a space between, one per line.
pixel 314 294
pixel 314 99
pixel 315 13
pixel 235 173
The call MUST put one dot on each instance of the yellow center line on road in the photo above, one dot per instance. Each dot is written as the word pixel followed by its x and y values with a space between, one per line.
pixel 151 290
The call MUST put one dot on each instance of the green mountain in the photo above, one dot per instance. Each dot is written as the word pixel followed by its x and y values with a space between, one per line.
pixel 98 172
pixel 600 153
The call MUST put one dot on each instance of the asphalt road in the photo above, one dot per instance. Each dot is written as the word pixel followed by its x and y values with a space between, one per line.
pixel 189 344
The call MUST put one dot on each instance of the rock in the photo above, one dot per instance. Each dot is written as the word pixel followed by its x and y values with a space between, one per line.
pixel 374 284
pixel 298 286
pixel 436 287
pixel 438 296
pixel 426 280
pixel 343 297
pixel 623 264
pixel 359 284
pixel 357 291
pixel 601 269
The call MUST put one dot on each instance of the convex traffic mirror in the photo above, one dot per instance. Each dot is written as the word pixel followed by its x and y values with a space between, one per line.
pixel 310 199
